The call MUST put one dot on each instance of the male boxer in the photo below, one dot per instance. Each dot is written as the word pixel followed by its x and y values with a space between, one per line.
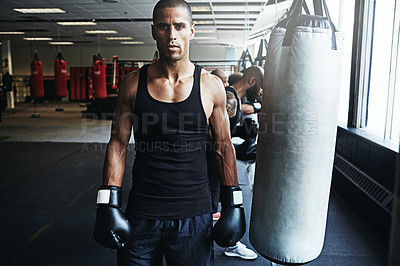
pixel 170 104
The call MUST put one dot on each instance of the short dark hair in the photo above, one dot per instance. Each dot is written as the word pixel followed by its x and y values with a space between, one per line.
pixel 171 3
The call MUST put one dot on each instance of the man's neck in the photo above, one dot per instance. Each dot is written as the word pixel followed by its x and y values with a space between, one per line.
pixel 174 70
pixel 240 88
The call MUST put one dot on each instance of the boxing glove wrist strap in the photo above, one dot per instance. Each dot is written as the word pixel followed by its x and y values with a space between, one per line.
pixel 109 196
pixel 231 196
pixel 257 107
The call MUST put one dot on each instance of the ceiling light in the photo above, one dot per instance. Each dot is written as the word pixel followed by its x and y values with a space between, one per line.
pixel 199 22
pixel 61 43
pixel 132 42
pixel 118 38
pixel 76 23
pixel 39 10
pixel 38 39
pixel 207 42
pixel 206 31
pixel 205 37
pixel 11 32
pixel 101 31
pixel 201 8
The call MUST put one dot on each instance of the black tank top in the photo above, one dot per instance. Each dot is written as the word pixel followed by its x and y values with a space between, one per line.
pixel 169 172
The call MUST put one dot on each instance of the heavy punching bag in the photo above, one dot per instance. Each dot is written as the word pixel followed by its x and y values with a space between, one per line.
pixel 60 76
pixel 297 137
pixel 37 78
pixel 99 70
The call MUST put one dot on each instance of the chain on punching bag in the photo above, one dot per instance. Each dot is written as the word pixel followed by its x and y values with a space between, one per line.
pixel 37 78
pixel 60 76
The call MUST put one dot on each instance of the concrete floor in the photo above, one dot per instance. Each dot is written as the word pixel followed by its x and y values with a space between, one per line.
pixel 50 172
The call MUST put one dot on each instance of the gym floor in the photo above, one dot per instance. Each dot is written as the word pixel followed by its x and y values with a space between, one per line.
pixel 50 172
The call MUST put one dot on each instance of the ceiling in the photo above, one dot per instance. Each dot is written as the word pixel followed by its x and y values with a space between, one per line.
pixel 218 22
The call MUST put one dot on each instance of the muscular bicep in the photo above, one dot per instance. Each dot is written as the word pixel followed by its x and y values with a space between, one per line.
pixel 231 104
pixel 225 154
pixel 123 117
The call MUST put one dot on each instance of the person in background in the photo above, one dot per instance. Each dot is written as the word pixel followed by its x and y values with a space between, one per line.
pixel 252 78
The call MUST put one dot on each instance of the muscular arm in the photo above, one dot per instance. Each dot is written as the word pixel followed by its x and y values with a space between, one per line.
pixel 247 109
pixel 219 122
pixel 231 104
pixel 114 163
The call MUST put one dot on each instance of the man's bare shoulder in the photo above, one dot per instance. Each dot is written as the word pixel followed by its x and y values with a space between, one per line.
pixel 129 84
pixel 212 84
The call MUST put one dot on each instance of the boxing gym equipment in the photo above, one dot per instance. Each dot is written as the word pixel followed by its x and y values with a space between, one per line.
pixel 115 73
pixel 297 136
pixel 231 226
pixel 99 71
pixel 60 78
pixel 37 87
pixel 112 229
pixel 37 78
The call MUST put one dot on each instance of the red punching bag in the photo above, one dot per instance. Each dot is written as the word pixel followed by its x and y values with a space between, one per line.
pixel 100 78
pixel 37 78
pixel 60 76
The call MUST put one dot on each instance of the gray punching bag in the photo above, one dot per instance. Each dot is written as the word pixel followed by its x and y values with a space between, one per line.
pixel 296 144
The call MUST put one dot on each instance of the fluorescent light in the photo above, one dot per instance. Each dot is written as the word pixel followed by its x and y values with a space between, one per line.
pixel 205 37
pixel 38 39
pixel 206 31
pixel 76 23
pixel 132 42
pixel 201 8
pixel 11 32
pixel 61 43
pixel 118 38
pixel 199 22
pixel 101 31
pixel 207 42
pixel 39 10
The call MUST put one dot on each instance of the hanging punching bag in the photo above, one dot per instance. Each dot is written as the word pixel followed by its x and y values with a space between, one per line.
pixel 297 137
pixel 99 69
pixel 60 76
pixel 37 78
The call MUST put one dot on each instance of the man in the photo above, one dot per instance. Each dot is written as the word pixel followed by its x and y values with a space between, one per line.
pixel 250 81
pixel 170 103
pixel 222 75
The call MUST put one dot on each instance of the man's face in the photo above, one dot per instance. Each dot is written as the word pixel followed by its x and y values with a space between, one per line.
pixel 173 31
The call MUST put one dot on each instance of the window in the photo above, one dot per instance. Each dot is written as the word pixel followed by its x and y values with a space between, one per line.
pixel 381 87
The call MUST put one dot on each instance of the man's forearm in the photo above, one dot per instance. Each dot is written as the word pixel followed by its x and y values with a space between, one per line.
pixel 226 163
pixel 114 163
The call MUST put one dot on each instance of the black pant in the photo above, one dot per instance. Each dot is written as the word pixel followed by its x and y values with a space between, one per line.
pixel 183 242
